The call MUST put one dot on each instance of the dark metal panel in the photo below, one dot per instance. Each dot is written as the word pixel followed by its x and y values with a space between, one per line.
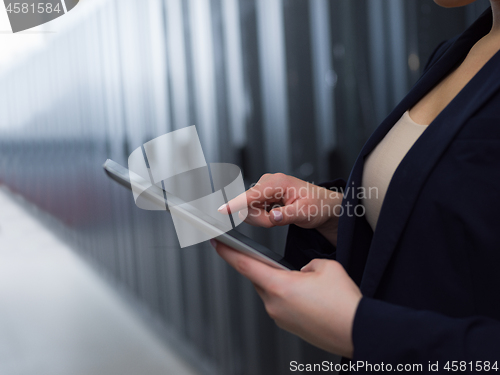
pixel 325 79
pixel 272 55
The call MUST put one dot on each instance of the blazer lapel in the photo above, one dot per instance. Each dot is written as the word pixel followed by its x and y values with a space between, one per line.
pixel 411 174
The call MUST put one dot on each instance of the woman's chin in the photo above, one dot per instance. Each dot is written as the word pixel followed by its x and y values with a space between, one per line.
pixel 453 3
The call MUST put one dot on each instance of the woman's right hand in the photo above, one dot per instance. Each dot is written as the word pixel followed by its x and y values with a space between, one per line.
pixel 279 199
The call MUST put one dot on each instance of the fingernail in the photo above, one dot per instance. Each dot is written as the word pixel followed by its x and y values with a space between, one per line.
pixel 213 243
pixel 277 215
pixel 223 207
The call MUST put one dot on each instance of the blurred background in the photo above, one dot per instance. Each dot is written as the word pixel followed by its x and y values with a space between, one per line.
pixel 294 86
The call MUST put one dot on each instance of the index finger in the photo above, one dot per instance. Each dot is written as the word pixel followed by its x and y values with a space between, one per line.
pixel 236 204
pixel 252 195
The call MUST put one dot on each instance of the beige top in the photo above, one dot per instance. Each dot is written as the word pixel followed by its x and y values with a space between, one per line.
pixel 382 162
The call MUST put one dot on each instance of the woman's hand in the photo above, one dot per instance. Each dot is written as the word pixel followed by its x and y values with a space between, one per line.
pixel 278 199
pixel 317 304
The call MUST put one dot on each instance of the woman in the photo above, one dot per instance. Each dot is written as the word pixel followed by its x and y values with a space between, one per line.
pixel 414 281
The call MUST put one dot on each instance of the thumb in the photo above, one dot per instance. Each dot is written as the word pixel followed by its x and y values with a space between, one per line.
pixel 285 215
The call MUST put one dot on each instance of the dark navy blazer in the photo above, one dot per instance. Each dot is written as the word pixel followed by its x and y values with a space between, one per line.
pixel 430 272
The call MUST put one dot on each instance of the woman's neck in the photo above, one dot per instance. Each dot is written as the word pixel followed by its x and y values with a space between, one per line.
pixel 495 6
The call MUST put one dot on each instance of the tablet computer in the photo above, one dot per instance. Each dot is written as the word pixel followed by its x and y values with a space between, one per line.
pixel 200 220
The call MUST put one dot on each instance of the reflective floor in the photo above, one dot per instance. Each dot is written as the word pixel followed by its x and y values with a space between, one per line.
pixel 57 317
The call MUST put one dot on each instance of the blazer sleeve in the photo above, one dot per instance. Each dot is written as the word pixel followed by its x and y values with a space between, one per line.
pixel 417 337
pixel 304 245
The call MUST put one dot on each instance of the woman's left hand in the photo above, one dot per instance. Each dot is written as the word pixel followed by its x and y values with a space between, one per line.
pixel 317 304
